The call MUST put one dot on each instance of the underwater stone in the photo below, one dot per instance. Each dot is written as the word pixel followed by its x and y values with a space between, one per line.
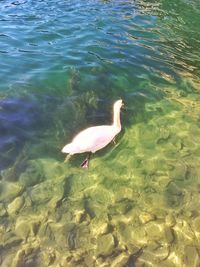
pixel 9 191
pixel 83 238
pixel 10 240
pixel 196 224
pixel 121 192
pixel 169 235
pixel 79 215
pixel 105 245
pixel 146 217
pixel 19 259
pixel 98 227
pixel 15 205
pixel 120 260
pixel 51 191
pixel 7 261
pixel 170 220
pixel 27 256
pixel 153 254
pixel 89 258
pixel 130 236
pixel 163 136
pixel 154 231
pixel 45 234
pixel 65 235
pixel 30 178
pixel 48 257
pixel 26 227
pixel 174 195
pixel 191 256
pixel 22 229
pixel 2 210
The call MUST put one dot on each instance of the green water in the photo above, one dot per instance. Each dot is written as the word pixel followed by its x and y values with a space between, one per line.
pixel 62 65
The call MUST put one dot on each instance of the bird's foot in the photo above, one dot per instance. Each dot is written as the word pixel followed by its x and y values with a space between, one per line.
pixel 85 164
pixel 114 141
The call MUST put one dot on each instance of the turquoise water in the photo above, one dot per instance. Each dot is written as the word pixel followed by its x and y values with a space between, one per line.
pixel 62 65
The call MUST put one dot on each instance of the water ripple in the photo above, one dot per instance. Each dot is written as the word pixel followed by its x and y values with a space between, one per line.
pixel 113 32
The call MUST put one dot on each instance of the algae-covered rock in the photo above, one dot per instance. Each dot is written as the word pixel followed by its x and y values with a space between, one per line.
pixel 131 237
pixel 15 205
pixel 169 235
pixel 152 255
pixel 40 170
pixel 45 233
pixel 9 191
pixel 83 237
pixel 154 231
pixel 65 235
pixel 120 260
pixel 191 256
pixel 27 256
pixel 2 210
pixel 31 177
pixel 105 245
pixel 170 220
pixel 48 191
pixel 10 239
pixel 48 257
pixel 174 195
pixel 19 259
pixel 79 215
pixel 196 224
pixel 146 217
pixel 27 226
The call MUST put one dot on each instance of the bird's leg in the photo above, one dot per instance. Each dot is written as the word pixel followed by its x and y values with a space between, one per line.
pixel 114 141
pixel 85 163
pixel 67 157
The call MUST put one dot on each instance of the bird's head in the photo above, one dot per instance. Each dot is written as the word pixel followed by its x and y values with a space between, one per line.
pixel 118 104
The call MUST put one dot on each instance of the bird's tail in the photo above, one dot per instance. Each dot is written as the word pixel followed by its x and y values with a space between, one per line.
pixel 68 148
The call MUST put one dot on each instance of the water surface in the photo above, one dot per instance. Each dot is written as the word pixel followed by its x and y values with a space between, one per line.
pixel 63 64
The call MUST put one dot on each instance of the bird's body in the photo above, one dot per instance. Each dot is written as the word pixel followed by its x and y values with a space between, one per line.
pixel 91 139
pixel 96 137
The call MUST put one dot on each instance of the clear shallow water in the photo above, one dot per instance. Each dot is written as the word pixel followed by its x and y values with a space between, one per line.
pixel 62 66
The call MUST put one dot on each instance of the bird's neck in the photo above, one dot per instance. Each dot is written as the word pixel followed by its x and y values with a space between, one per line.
pixel 116 118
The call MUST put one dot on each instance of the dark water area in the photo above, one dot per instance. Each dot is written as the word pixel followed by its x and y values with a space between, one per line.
pixel 62 66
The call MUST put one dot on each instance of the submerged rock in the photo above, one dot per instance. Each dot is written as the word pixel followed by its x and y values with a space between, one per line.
pixel 191 256
pixel 196 224
pixel 9 191
pixel 120 260
pixel 65 235
pixel 146 217
pixel 15 205
pixel 27 256
pixel 10 239
pixel 154 231
pixel 152 255
pixel 27 226
pixel 131 237
pixel 174 195
pixel 170 220
pixel 105 245
pixel 2 210
pixel 50 192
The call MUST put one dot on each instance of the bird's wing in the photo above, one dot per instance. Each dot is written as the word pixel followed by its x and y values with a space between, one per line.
pixel 94 138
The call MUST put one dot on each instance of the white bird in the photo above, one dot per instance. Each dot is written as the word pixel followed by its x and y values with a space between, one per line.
pixel 96 137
